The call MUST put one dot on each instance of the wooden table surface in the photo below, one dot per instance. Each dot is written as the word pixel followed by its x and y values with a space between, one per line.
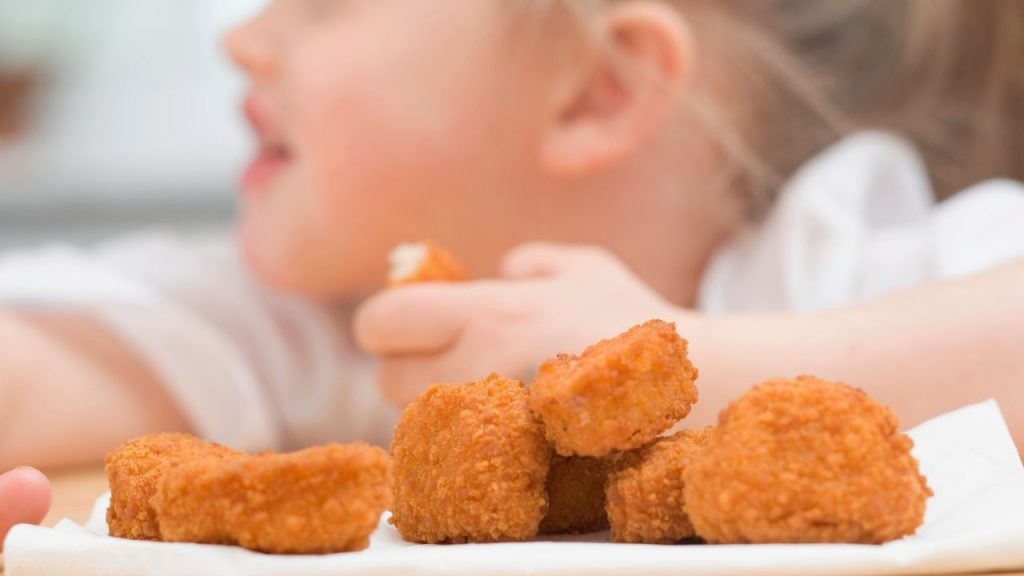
pixel 75 492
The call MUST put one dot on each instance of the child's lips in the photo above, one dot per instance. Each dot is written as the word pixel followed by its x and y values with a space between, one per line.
pixel 273 153
pixel 265 166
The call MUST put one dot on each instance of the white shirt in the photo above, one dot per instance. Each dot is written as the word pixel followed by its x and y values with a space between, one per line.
pixel 250 368
pixel 857 222
pixel 260 370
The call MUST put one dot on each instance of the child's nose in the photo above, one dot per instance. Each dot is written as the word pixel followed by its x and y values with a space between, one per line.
pixel 248 46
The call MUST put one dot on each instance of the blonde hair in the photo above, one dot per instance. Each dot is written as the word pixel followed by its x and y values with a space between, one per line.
pixel 947 74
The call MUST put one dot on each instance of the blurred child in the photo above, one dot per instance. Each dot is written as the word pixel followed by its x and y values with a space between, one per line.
pixel 693 160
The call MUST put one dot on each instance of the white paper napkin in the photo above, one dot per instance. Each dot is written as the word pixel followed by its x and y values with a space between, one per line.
pixel 975 522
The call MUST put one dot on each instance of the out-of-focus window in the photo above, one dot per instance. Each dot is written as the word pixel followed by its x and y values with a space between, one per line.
pixel 116 114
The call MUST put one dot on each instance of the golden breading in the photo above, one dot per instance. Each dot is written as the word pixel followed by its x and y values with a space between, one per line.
pixel 806 460
pixel 317 501
pixel 645 490
pixel 470 465
pixel 575 489
pixel 423 262
pixel 619 394
pixel 135 470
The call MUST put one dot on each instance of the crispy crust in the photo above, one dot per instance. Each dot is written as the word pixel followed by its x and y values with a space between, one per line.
pixel 619 394
pixel 806 460
pixel 645 490
pixel 470 465
pixel 135 470
pixel 317 501
pixel 576 498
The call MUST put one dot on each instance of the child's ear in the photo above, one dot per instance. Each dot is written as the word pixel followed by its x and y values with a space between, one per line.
pixel 633 78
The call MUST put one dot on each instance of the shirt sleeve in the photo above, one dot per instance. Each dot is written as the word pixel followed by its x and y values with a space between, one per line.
pixel 250 368
pixel 859 222
pixel 979 229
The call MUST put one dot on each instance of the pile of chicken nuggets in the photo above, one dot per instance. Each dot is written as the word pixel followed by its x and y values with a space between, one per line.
pixel 588 446
pixel 585 448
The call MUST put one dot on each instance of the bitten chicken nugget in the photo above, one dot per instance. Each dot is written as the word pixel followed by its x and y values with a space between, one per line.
pixel 317 501
pixel 135 470
pixel 423 262
pixel 619 394
pixel 806 460
pixel 645 490
pixel 470 465
pixel 576 501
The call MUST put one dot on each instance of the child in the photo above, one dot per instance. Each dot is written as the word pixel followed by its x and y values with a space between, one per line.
pixel 644 141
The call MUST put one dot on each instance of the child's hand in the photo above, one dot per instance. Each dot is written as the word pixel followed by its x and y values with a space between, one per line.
pixel 24 498
pixel 554 299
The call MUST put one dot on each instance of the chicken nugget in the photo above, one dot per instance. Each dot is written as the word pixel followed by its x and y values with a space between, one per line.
pixel 134 471
pixel 416 263
pixel 619 394
pixel 470 465
pixel 645 490
pixel 806 460
pixel 576 499
pixel 317 501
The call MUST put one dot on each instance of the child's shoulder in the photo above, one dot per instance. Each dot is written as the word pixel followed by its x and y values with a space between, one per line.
pixel 859 221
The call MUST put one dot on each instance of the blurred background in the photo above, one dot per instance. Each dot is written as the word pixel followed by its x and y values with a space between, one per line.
pixel 117 115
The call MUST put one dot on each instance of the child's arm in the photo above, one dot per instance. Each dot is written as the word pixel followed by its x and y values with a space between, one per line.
pixel 71 391
pixel 922 352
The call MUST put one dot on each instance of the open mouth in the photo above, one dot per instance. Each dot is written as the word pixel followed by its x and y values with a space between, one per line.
pixel 272 152
pixel 273 149
pixel 268 162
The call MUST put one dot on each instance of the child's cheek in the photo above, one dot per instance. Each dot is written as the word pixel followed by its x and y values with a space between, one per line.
pixel 371 132
pixel 367 169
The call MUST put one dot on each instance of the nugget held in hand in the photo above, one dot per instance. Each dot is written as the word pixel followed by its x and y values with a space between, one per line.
pixel 470 465
pixel 645 490
pixel 806 460
pixel 619 394
pixel 317 501
pixel 135 470
pixel 417 263
pixel 576 502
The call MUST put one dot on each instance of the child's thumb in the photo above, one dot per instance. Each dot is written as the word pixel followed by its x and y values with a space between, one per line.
pixel 542 259
pixel 24 498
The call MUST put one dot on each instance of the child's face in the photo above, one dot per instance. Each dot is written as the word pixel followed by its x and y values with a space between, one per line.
pixel 382 121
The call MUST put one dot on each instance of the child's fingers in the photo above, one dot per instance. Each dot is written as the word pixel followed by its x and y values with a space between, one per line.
pixel 24 498
pixel 541 259
pixel 427 318
pixel 414 319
